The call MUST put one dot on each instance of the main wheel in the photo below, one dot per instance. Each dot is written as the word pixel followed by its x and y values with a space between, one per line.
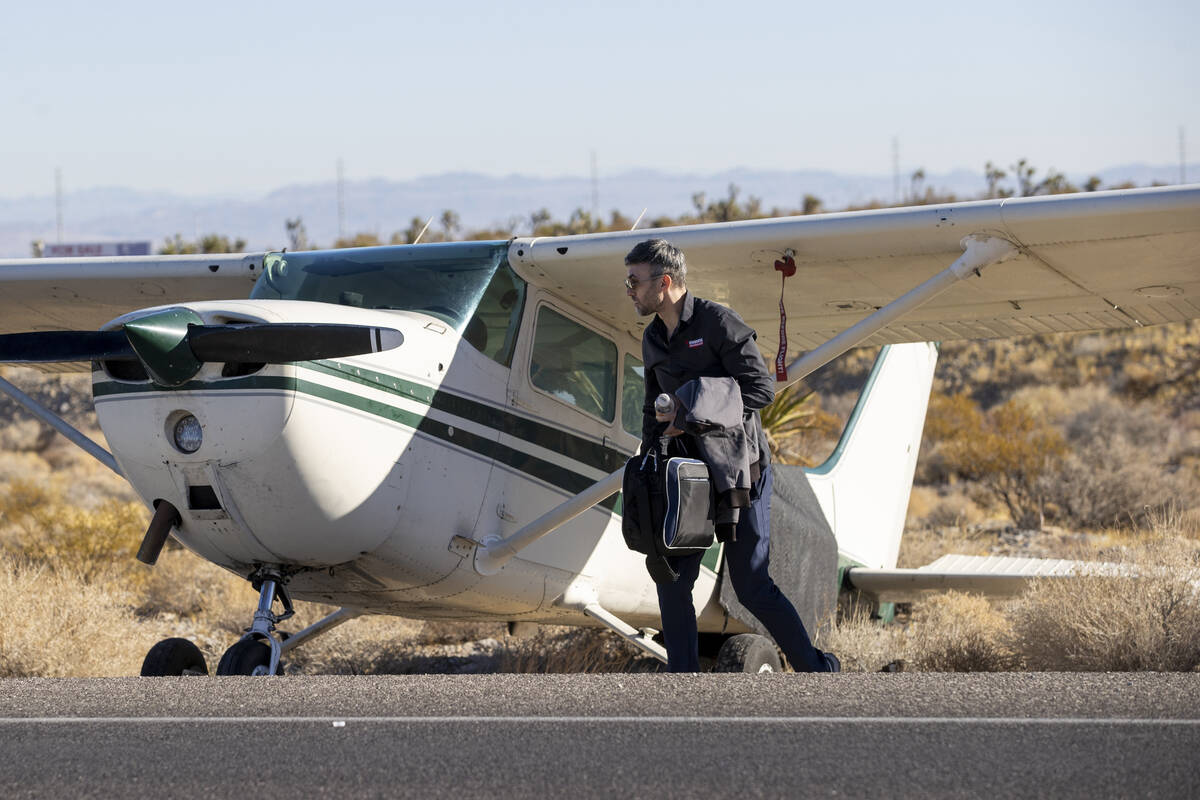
pixel 748 652
pixel 246 657
pixel 174 657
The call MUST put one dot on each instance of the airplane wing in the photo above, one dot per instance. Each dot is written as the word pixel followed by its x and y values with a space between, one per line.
pixel 44 294
pixel 1086 261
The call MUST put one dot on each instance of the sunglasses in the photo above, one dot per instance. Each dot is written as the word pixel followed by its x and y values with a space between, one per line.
pixel 631 282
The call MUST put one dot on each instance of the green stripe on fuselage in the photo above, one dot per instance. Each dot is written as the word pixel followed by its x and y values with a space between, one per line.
pixel 576 448
pixel 573 447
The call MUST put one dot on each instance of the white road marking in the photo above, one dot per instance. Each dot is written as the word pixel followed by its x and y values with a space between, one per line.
pixel 571 720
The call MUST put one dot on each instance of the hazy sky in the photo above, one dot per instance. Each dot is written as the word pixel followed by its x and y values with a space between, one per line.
pixel 245 97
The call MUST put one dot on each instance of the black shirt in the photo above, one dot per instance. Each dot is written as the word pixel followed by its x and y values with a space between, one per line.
pixel 711 341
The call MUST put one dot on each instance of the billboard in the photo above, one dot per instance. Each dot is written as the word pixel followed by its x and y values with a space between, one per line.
pixel 96 249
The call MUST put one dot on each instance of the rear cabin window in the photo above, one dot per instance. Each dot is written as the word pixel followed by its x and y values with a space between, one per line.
pixel 575 364
pixel 633 395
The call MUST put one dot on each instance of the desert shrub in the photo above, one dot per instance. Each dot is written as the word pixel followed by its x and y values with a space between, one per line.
pixel 187 587
pixel 1007 449
pixel 1118 467
pixel 46 531
pixel 26 435
pixel 559 650
pixel 378 645
pixel 453 631
pixel 1116 623
pixel 958 632
pixel 864 644
pixel 924 545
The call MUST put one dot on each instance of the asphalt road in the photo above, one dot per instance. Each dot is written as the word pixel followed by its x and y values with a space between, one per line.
pixel 783 735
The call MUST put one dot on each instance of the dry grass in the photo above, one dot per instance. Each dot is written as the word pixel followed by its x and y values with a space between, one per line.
pixel 864 644
pixel 1098 622
pixel 59 624
pixel 558 649
pixel 957 632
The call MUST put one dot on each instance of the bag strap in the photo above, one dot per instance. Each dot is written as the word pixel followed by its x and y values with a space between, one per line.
pixel 646 528
pixel 660 570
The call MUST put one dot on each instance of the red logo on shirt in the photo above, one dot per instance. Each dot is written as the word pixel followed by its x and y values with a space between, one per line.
pixel 694 343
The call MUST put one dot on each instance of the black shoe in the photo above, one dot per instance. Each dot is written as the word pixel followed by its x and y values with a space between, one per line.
pixel 833 662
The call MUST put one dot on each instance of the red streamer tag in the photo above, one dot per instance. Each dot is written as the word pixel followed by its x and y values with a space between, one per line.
pixel 786 266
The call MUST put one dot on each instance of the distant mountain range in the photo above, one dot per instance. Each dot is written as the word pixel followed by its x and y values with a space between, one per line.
pixel 384 206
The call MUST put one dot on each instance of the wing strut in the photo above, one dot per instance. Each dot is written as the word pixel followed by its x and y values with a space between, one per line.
pixel 581 595
pixel 61 425
pixel 979 251
pixel 493 553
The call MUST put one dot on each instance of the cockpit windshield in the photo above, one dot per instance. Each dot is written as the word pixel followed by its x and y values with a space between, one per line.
pixel 445 280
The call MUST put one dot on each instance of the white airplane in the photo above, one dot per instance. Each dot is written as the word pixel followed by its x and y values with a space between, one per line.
pixel 450 445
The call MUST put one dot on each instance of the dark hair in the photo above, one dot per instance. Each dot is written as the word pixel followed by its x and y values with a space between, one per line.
pixel 664 257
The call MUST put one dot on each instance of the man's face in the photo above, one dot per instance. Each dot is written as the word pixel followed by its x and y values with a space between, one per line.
pixel 648 291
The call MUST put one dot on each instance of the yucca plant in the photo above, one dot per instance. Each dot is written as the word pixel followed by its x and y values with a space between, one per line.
pixel 795 412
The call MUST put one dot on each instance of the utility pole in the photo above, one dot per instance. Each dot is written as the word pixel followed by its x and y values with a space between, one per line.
pixel 341 198
pixel 1182 155
pixel 595 190
pixel 58 202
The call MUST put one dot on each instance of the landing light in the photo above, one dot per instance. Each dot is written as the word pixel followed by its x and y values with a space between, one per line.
pixel 188 434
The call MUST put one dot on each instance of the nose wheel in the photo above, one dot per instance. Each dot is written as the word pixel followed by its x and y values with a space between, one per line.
pixel 174 657
pixel 258 651
pixel 248 657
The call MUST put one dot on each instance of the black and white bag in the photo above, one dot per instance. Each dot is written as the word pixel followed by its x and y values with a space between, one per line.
pixel 667 510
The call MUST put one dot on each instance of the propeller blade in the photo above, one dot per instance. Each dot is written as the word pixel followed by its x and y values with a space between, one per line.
pixel 50 346
pixel 283 342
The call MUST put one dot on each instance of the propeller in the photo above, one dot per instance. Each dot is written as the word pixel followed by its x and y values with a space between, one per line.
pixel 173 344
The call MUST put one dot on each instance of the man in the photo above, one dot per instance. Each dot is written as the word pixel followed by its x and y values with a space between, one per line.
pixel 690 338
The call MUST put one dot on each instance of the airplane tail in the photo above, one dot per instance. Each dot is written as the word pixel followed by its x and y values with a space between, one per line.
pixel 863 487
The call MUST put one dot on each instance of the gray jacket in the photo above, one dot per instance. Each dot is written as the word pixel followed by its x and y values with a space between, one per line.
pixel 712 410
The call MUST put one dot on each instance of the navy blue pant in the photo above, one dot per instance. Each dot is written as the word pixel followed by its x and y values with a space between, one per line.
pixel 746 561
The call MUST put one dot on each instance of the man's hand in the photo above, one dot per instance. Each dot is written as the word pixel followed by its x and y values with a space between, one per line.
pixel 672 431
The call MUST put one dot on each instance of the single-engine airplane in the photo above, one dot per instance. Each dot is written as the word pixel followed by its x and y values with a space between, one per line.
pixel 437 431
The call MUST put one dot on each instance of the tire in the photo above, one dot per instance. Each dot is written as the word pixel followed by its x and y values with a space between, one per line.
pixel 748 652
pixel 174 657
pixel 245 656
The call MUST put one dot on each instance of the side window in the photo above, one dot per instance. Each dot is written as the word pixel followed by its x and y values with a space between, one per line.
pixel 574 364
pixel 633 395
pixel 493 328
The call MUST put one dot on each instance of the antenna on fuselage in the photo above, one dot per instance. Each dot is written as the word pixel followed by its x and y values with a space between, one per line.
pixel 639 219
pixel 428 222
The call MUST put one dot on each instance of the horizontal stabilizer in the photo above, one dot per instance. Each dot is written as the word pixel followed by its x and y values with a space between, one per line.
pixel 990 575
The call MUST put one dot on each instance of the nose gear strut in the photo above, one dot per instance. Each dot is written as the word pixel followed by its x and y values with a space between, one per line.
pixel 258 651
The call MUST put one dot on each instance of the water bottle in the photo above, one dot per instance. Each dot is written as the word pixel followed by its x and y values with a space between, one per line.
pixel 664 404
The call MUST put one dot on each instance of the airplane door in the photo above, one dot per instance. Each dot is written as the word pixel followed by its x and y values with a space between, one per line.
pixel 563 405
